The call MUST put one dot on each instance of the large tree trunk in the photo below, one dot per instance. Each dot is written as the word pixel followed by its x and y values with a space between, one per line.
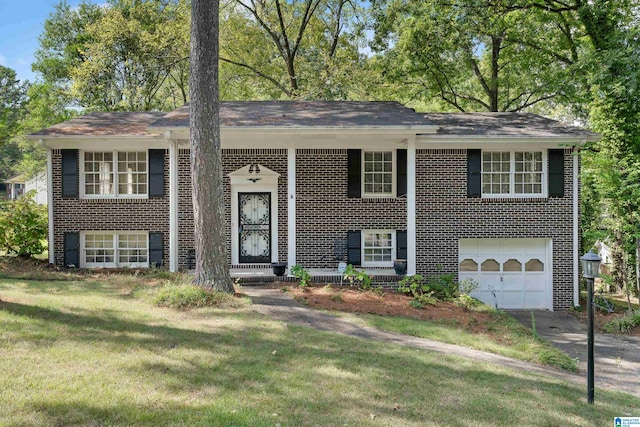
pixel 212 268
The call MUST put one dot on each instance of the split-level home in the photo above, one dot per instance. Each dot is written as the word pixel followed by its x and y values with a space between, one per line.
pixel 491 197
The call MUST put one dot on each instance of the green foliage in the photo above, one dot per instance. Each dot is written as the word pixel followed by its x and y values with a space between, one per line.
pixel 23 226
pixel 183 296
pixel 354 275
pixel 464 298
pixel 13 96
pixel 474 55
pixel 300 273
pixel 438 288
pixel 623 324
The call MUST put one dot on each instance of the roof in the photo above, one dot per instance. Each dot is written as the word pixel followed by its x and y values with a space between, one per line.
pixel 304 114
pixel 102 124
pixel 18 179
pixel 503 124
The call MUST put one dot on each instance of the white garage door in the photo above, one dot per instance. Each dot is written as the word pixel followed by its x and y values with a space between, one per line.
pixel 511 273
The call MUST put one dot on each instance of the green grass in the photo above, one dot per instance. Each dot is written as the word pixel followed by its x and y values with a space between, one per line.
pixel 89 352
pixel 509 338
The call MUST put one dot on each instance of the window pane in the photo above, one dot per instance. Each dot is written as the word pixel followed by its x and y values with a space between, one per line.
pixel 378 172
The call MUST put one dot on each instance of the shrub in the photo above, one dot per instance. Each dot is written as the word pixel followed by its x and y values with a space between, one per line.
pixel 441 287
pixel 300 273
pixel 464 297
pixel 183 296
pixel 23 226
pixel 353 275
pixel 623 324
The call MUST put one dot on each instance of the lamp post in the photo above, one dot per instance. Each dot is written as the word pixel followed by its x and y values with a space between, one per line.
pixel 590 268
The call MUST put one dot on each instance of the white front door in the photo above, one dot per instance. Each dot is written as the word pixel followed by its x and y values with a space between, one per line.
pixel 511 273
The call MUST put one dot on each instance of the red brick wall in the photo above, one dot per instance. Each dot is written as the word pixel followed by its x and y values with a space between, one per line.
pixel 445 214
pixel 76 214
pixel 324 213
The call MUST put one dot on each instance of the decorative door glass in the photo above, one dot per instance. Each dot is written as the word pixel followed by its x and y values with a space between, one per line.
pixel 255 227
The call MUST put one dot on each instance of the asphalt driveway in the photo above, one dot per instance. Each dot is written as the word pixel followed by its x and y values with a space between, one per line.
pixel 616 357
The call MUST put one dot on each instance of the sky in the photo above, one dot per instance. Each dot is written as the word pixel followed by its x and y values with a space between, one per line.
pixel 21 22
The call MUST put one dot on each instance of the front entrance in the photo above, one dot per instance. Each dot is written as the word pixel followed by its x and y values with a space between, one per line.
pixel 254 227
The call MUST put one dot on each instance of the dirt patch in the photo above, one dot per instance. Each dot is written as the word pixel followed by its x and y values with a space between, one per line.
pixel 353 300
pixel 600 318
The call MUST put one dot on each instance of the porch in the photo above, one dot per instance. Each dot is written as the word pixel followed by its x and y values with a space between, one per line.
pixel 261 274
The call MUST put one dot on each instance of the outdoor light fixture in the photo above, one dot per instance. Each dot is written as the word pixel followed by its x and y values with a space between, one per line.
pixel 590 265
pixel 254 169
pixel 590 270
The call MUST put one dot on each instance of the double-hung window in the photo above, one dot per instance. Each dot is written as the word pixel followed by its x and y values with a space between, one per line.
pixel 115 174
pixel 513 173
pixel 115 249
pixel 378 173
pixel 378 248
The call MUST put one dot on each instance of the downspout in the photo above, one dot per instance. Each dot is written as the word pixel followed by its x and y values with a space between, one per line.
pixel 576 224
pixel 291 207
pixel 52 255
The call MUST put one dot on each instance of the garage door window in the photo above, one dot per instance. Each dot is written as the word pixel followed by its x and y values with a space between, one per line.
pixel 512 265
pixel 490 265
pixel 468 265
pixel 534 265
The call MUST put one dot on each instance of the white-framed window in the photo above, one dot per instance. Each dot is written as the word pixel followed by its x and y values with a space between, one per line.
pixel 114 174
pixel 378 177
pixel 108 249
pixel 514 173
pixel 378 248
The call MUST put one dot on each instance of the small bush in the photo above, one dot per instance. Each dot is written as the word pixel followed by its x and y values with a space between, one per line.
pixel 183 296
pixel 354 275
pixel 300 273
pixel 623 324
pixel 23 226
pixel 441 287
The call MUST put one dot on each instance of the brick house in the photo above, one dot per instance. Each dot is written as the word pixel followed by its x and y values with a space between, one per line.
pixel 489 196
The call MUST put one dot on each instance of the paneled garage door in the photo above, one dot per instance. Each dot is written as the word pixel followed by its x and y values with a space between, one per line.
pixel 512 273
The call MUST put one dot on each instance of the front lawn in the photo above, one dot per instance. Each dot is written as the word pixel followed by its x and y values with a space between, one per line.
pixel 89 352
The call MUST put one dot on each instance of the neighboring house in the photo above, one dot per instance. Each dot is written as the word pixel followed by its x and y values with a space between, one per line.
pixel 491 197
pixel 14 187
pixel 19 185
pixel 604 252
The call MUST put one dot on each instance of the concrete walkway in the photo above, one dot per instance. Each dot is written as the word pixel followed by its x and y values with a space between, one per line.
pixel 612 374
pixel 616 357
pixel 280 306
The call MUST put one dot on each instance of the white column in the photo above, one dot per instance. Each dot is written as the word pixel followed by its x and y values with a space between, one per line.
pixel 576 243
pixel 52 255
pixel 173 205
pixel 411 206
pixel 291 207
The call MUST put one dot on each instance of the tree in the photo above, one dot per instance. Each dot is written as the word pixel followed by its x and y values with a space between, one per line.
pixel 13 96
pixel 293 49
pixel 212 266
pixel 475 54
pixel 125 55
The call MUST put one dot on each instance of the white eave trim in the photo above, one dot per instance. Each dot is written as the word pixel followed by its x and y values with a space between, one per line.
pixel 110 142
pixel 482 141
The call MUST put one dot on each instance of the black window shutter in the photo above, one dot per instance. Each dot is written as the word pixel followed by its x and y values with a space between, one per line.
pixel 556 173
pixel 401 173
pixel 70 180
pixel 156 249
pixel 354 243
pixel 72 249
pixel 354 164
pixel 474 173
pixel 156 173
pixel 401 244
